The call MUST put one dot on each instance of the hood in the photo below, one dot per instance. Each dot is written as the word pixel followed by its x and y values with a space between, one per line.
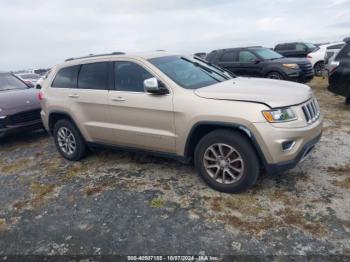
pixel 274 93
pixel 20 98
pixel 291 60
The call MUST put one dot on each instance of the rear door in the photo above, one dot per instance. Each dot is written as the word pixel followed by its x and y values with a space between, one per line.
pixel 88 101
pixel 229 61
pixel 140 119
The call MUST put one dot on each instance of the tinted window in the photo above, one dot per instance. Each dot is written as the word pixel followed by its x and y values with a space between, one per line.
pixel 267 54
pixel 246 57
pixel 130 76
pixel 187 73
pixel 93 76
pixel 9 82
pixel 228 56
pixel 300 47
pixel 338 46
pixel 66 77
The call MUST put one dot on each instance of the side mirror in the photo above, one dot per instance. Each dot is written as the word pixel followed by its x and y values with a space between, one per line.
pixel 154 86
pixel 256 61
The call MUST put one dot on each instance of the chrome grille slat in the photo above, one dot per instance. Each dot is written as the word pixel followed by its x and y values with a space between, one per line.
pixel 311 110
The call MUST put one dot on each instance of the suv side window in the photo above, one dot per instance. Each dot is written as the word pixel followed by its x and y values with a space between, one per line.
pixel 229 56
pixel 66 77
pixel 246 57
pixel 93 76
pixel 300 47
pixel 129 76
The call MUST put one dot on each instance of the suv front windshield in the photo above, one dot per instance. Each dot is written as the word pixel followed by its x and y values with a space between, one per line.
pixel 311 46
pixel 188 73
pixel 267 54
pixel 10 82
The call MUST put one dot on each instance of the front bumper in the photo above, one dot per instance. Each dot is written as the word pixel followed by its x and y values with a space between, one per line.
pixel 271 140
pixel 29 126
pixel 279 168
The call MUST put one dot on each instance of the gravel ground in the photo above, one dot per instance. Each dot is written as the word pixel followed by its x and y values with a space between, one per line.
pixel 114 202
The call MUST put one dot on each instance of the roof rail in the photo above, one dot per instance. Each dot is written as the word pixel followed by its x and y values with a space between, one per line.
pixel 92 55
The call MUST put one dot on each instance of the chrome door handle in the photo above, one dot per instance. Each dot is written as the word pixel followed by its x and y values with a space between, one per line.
pixel 74 96
pixel 118 99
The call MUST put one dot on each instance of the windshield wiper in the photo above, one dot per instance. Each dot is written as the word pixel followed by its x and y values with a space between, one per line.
pixel 215 66
pixel 204 69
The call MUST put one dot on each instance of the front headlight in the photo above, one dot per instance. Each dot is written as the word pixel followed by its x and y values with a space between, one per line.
pixel 279 115
pixel 291 66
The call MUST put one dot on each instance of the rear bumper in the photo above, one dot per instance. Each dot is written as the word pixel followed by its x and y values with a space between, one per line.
pixel 278 168
pixel 29 126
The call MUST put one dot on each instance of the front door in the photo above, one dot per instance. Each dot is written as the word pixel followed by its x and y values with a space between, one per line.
pixel 140 119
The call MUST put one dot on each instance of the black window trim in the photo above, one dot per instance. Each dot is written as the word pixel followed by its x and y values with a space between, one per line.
pixel 75 77
pixel 110 79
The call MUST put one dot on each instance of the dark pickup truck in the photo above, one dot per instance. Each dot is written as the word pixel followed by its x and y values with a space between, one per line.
pixel 262 62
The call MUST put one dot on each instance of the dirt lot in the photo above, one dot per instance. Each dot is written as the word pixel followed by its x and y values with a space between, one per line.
pixel 123 203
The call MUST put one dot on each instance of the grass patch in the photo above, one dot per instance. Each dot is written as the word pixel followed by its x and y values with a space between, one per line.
pixel 157 203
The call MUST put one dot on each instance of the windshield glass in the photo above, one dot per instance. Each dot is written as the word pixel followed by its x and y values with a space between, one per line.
pixel 29 76
pixel 9 82
pixel 267 54
pixel 189 74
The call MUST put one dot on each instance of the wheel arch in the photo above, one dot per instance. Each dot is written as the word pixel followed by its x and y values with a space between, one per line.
pixel 56 116
pixel 200 129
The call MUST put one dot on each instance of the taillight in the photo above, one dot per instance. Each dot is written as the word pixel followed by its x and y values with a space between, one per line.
pixel 40 96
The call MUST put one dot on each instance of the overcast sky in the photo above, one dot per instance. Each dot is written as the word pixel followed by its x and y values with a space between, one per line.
pixel 42 33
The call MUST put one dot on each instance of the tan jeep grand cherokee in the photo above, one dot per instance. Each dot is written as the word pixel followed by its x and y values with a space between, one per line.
pixel 232 127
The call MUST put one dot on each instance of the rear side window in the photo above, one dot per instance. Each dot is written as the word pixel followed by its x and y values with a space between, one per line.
pixel 339 46
pixel 130 76
pixel 93 76
pixel 66 77
pixel 228 57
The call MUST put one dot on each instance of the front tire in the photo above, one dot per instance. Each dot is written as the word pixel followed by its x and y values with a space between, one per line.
pixel 227 161
pixel 69 142
pixel 275 75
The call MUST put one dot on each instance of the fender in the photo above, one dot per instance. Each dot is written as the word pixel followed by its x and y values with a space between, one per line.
pixel 235 126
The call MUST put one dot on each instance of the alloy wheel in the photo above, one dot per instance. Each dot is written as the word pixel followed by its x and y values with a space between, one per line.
pixel 66 141
pixel 223 163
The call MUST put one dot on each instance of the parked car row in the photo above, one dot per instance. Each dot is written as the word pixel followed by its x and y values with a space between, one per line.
pixel 262 62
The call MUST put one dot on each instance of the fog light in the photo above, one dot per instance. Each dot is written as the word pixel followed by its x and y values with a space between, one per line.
pixel 288 145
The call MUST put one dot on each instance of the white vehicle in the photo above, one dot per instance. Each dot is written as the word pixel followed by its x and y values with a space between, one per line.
pixel 317 58
pixel 29 78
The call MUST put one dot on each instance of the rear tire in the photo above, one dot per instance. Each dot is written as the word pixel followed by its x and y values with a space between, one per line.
pixel 224 171
pixel 69 142
pixel 275 75
pixel 318 67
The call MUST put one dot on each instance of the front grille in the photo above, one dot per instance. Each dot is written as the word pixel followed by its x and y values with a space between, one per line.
pixel 24 117
pixel 306 68
pixel 311 110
